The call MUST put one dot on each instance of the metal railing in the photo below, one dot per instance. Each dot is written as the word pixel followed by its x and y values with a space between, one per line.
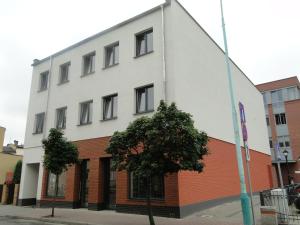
pixel 285 201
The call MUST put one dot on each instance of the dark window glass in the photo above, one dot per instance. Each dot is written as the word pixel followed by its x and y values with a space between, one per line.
pixel 144 99
pixel 89 64
pixel 287 144
pixel 280 119
pixel 144 43
pixel 61 185
pixel 61 118
pixel 110 104
pixel 281 144
pixel 267 121
pixel 44 81
pixel 271 143
pixel 112 55
pixel 85 113
pixel 139 187
pixel 39 123
pixel 64 73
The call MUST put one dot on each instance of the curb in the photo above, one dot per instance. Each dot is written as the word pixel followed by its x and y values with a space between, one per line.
pixel 48 220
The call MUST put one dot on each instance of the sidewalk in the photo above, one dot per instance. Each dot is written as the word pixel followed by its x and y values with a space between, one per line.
pixel 225 214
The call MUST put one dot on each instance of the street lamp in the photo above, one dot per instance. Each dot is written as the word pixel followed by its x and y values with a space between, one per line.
pixel 286 153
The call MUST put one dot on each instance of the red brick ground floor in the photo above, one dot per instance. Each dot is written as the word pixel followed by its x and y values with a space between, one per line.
pixel 94 186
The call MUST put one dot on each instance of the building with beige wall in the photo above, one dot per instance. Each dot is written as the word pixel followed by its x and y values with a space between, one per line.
pixel 8 158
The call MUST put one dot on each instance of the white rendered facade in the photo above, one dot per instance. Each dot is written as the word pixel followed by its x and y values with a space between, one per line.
pixel 186 67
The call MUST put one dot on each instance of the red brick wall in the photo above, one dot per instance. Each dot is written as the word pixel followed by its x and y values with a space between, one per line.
pixel 220 176
pixel 277 84
pixel 219 179
pixel 292 109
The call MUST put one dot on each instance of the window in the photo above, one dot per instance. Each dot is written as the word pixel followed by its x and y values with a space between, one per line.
pixel 64 73
pixel 267 121
pixel 283 141
pixel 292 93
pixel 144 99
pixel 265 98
pixel 271 143
pixel 144 43
pixel 61 185
pixel 43 81
pixel 112 55
pixel 89 63
pixel 276 96
pixel 138 187
pixel 280 119
pixel 85 113
pixel 39 123
pixel 110 107
pixel 61 118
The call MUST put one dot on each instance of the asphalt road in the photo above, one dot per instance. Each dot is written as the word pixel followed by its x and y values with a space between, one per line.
pixel 11 221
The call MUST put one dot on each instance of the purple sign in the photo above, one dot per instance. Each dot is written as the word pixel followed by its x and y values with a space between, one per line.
pixel 242 113
pixel 243 122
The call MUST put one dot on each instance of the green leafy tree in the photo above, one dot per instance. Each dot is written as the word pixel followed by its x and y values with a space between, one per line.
pixel 166 143
pixel 17 172
pixel 59 155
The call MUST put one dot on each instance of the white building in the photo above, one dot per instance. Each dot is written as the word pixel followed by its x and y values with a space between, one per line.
pixel 164 54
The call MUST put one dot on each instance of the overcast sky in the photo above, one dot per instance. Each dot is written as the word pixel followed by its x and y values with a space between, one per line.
pixel 263 39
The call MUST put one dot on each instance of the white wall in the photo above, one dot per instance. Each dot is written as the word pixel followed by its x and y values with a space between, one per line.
pixel 198 82
pixel 29 181
pixel 122 79
pixel 196 79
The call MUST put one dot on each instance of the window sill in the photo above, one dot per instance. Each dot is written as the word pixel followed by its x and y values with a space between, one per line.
pixel 144 112
pixel 64 82
pixel 107 67
pixel 35 133
pixel 147 53
pixel 109 119
pixel 60 128
pixel 42 90
pixel 87 74
pixel 84 124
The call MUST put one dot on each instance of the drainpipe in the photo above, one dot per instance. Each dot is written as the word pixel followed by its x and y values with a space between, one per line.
pixel 163 54
pixel 48 96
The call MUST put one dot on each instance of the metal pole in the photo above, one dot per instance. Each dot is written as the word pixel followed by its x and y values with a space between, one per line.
pixel 247 218
pixel 249 181
pixel 287 168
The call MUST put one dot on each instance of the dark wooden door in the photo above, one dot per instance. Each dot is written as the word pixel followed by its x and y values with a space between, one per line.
pixel 84 188
pixel 109 185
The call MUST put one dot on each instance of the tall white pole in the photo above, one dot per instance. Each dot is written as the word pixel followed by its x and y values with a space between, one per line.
pixel 247 218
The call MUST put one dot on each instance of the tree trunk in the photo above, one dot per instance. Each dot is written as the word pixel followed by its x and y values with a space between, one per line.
pixel 150 214
pixel 55 194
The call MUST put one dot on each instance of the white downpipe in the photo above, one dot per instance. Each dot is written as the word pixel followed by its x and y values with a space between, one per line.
pixel 163 54
pixel 48 97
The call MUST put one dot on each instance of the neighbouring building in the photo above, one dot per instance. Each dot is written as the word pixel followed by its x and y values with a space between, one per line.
pixel 9 156
pixel 282 110
pixel 100 84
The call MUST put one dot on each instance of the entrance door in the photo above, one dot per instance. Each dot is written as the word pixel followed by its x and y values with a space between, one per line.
pixel 84 189
pixel 109 185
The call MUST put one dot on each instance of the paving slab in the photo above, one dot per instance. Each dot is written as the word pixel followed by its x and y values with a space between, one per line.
pixel 225 214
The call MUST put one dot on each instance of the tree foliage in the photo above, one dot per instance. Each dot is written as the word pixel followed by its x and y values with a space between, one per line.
pixel 166 143
pixel 59 153
pixel 17 172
